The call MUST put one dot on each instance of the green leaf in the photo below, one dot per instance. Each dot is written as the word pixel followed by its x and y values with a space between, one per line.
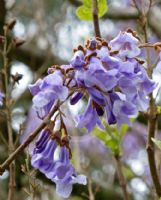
pixel 124 128
pixel 113 144
pixel 111 136
pixel 102 7
pixel 157 142
pixel 158 110
pixel 128 173
pixel 84 12
pixel 87 3
pixel 111 140
pixel 102 135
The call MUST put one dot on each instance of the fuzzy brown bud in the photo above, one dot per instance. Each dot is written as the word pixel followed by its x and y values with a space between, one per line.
pixel 18 42
pixel 11 24
pixel 17 77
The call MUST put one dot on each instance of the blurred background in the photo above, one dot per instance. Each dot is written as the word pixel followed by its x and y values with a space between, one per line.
pixel 51 30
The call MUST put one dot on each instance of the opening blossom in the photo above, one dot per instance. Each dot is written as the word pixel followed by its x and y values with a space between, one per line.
pixel 111 77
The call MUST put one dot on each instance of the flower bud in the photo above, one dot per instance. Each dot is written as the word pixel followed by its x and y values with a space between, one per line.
pixel 17 77
pixel 11 24
pixel 18 42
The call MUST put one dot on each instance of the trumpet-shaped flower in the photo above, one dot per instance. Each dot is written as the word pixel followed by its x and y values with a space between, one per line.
pixel 46 92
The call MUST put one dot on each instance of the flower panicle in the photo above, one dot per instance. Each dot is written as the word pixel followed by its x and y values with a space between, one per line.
pixel 111 75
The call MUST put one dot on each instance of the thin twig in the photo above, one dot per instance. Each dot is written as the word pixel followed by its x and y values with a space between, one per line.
pixel 12 171
pixel 95 18
pixel 145 45
pixel 90 190
pixel 121 177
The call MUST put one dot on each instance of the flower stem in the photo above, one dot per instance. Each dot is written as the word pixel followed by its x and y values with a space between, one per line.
pixel 95 18
pixel 121 177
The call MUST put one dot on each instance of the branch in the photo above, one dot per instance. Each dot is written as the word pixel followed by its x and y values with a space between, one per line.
pixel 152 112
pixel 91 194
pixel 121 177
pixel 95 18
pixel 8 107
pixel 152 119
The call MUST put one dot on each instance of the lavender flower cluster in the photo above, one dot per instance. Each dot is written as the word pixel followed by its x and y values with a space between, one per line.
pixel 112 78
pixel 59 170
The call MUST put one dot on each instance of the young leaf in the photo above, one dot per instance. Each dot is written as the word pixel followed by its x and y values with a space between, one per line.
pixel 157 142
pixel 123 129
pixel 158 110
pixel 87 3
pixel 111 140
pixel 84 12
pixel 128 173
pixel 102 7
pixel 111 136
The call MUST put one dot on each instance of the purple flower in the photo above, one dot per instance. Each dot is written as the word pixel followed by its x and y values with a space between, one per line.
pixel 113 81
pixel 76 97
pixel 78 60
pixel 89 119
pixel 135 84
pixel 64 174
pixel 31 123
pixel 36 87
pixel 123 110
pixel 103 53
pixel 98 75
pixel 119 110
pixel 46 92
pixel 104 73
pixel 1 98
pixel 59 171
pixel 126 44
pixel 97 96
pixel 43 154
